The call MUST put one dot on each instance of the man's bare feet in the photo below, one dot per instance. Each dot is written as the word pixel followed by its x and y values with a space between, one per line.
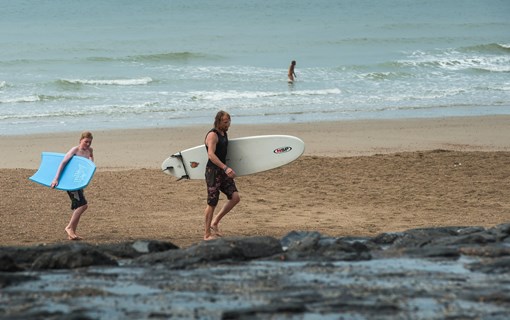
pixel 216 231
pixel 210 237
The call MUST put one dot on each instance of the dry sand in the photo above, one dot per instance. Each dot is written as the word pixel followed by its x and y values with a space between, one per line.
pixel 356 178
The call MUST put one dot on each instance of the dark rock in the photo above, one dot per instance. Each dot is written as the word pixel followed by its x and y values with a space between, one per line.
pixel 432 252
pixel 387 238
pixel 347 251
pixel 7 264
pixel 412 275
pixel 294 237
pixel 310 247
pixel 265 311
pixel 501 232
pixel 468 230
pixel 24 257
pixel 492 295
pixel 304 242
pixel 255 247
pixel 497 265
pixel 421 237
pixel 130 250
pixel 46 315
pixel 72 256
pixel 223 249
pixel 486 251
pixel 8 279
pixel 480 238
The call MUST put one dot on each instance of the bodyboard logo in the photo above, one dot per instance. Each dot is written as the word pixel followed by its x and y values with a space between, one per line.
pixel 80 174
pixel 282 150
pixel 193 164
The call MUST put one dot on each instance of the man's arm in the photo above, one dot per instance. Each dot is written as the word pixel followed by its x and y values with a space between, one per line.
pixel 211 141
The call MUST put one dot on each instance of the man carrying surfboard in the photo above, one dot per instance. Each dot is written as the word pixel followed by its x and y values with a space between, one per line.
pixel 218 176
pixel 78 201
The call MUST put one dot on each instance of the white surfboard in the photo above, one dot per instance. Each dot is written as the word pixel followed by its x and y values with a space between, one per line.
pixel 246 156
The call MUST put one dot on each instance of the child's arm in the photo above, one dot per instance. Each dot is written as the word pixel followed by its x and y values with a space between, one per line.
pixel 91 157
pixel 62 165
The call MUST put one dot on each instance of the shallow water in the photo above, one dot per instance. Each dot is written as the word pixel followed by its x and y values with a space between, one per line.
pixel 74 65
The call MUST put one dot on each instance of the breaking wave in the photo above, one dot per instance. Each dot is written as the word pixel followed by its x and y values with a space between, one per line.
pixel 106 82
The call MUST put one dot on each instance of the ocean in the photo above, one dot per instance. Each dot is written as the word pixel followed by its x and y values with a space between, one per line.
pixel 68 65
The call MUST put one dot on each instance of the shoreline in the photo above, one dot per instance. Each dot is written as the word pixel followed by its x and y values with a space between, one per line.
pixel 147 148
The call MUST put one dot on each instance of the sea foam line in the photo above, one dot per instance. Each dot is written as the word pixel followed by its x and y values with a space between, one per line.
pixel 106 82
pixel 233 94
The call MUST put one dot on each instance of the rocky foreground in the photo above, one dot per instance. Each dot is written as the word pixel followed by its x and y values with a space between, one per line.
pixel 437 273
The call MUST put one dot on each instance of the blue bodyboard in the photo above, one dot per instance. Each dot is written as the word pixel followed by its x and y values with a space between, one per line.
pixel 76 175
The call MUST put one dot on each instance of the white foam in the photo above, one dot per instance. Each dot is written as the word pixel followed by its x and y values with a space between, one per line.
pixel 31 98
pixel 118 82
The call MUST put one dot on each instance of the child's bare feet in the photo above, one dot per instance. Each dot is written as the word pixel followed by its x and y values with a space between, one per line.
pixel 71 235
pixel 216 231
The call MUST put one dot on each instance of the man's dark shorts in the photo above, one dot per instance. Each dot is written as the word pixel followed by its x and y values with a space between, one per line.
pixel 217 181
pixel 77 199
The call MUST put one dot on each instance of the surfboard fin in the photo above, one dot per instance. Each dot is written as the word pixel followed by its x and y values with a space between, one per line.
pixel 183 177
pixel 167 168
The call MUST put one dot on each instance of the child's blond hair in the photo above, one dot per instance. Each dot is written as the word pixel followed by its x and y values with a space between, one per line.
pixel 86 135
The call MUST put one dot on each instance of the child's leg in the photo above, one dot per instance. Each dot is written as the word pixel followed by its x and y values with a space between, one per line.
pixel 79 205
pixel 73 223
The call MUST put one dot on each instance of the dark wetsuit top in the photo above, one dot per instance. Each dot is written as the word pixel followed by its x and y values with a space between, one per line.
pixel 216 179
pixel 221 148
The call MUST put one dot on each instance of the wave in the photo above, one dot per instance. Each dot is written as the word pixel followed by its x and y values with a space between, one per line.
pixel 479 64
pixel 24 62
pixel 157 57
pixel 39 98
pixel 184 56
pixel 367 41
pixel 227 95
pixel 480 58
pixel 109 110
pixel 323 92
pixel 373 109
pixel 171 56
pixel 25 99
pixel 387 75
pixel 105 82
pixel 491 48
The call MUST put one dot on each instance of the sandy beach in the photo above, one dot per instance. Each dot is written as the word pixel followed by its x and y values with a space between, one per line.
pixel 356 178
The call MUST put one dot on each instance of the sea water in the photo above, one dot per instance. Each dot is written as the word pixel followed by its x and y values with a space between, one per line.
pixel 69 65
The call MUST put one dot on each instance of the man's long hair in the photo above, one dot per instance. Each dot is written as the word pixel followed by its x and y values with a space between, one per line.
pixel 219 116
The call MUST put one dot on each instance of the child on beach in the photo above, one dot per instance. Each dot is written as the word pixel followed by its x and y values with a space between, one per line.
pixel 78 201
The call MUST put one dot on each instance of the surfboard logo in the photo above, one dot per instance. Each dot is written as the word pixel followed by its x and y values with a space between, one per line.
pixel 282 150
pixel 193 164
